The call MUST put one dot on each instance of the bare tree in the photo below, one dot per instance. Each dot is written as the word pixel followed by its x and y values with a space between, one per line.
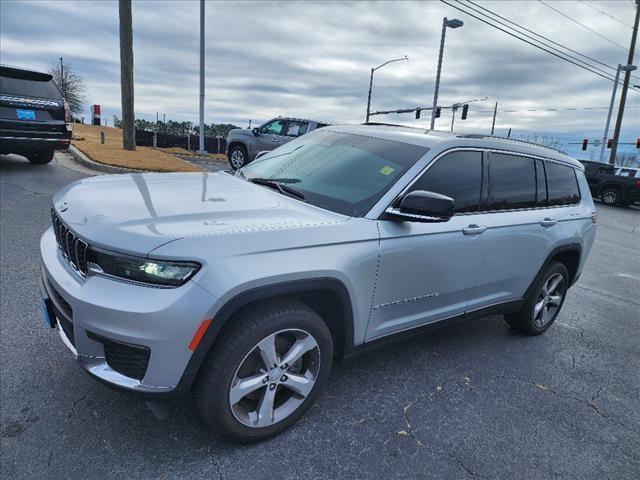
pixel 71 85
pixel 126 75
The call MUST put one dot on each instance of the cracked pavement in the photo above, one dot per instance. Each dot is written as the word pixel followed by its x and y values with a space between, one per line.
pixel 474 400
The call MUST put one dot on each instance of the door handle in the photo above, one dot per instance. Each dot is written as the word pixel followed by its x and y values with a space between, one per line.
pixel 548 222
pixel 474 229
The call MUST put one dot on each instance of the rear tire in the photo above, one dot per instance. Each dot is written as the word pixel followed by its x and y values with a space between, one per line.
pixel 610 196
pixel 238 156
pixel 41 157
pixel 544 301
pixel 247 401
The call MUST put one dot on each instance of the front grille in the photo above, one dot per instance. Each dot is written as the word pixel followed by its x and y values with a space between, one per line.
pixel 125 358
pixel 73 249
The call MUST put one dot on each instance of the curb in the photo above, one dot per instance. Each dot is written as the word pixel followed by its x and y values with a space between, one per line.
pixel 87 162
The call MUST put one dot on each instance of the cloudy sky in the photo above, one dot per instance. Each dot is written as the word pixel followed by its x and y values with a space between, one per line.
pixel 307 59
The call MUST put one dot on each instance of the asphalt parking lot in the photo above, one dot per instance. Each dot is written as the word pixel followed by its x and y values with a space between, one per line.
pixel 470 401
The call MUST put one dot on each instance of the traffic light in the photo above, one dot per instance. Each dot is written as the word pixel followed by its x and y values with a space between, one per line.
pixel 438 110
pixel 585 142
pixel 609 142
pixel 418 111
pixel 465 109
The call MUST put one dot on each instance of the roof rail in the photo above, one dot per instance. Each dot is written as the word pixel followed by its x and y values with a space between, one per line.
pixel 517 140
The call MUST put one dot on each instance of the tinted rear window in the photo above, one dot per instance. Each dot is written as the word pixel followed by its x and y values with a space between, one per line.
pixel 562 184
pixel 512 182
pixel 28 88
pixel 457 175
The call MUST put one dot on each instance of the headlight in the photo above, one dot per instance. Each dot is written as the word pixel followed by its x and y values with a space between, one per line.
pixel 157 272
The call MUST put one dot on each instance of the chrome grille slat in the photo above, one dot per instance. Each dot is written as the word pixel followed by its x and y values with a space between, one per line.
pixel 73 249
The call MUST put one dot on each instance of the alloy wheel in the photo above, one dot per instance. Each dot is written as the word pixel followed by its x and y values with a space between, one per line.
pixel 237 158
pixel 610 197
pixel 549 300
pixel 274 378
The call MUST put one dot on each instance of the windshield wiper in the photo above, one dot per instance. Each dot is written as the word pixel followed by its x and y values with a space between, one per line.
pixel 278 184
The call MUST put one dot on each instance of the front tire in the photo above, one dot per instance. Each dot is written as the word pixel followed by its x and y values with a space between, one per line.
pixel 266 371
pixel 610 196
pixel 41 157
pixel 238 156
pixel 544 301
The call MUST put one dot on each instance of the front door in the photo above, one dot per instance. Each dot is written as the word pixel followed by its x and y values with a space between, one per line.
pixel 429 271
pixel 271 135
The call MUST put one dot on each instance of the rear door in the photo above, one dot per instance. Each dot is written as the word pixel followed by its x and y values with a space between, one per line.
pixel 429 271
pixel 526 200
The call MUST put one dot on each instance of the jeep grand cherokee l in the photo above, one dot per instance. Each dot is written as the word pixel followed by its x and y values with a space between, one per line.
pixel 243 288
pixel 34 118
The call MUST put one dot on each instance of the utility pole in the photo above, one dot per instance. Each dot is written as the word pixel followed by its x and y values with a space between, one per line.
pixel 625 87
pixel 201 149
pixel 126 75
pixel 493 123
pixel 613 98
pixel 454 109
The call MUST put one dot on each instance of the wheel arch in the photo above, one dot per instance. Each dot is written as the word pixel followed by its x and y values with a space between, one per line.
pixel 569 255
pixel 237 143
pixel 329 297
pixel 615 186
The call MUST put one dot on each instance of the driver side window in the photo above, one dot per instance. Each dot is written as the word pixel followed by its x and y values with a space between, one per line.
pixel 457 175
pixel 275 127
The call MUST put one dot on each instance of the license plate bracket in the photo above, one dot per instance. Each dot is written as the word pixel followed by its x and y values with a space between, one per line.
pixel 47 311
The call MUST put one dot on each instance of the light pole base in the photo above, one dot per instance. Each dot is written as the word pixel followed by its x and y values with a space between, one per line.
pixel 202 153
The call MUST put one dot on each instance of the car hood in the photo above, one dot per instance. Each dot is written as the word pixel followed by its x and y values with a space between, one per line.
pixel 136 213
pixel 240 132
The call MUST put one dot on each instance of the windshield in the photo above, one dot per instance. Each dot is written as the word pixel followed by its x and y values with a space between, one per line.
pixel 341 172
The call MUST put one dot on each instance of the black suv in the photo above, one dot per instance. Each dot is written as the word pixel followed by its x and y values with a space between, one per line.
pixel 34 118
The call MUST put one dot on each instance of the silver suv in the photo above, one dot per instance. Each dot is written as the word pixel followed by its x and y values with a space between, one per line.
pixel 243 288
pixel 243 145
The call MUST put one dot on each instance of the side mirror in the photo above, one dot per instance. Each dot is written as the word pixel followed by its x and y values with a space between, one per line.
pixel 423 206
pixel 256 131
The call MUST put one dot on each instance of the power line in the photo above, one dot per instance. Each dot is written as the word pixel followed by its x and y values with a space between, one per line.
pixel 581 65
pixel 583 25
pixel 551 109
pixel 541 36
pixel 605 13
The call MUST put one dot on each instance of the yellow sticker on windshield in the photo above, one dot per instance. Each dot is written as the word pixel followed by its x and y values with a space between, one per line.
pixel 387 170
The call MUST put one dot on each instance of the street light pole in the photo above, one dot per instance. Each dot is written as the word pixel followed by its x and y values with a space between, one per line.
pixel 625 87
pixel 371 82
pixel 454 23
pixel 201 147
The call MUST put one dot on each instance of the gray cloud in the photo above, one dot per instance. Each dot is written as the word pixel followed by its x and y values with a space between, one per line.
pixel 313 59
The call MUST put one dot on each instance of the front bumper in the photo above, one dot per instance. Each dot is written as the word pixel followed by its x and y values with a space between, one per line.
pixel 94 314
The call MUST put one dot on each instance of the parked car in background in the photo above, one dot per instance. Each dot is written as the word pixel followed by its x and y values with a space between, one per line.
pixel 612 189
pixel 244 144
pixel 34 118
pixel 345 238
